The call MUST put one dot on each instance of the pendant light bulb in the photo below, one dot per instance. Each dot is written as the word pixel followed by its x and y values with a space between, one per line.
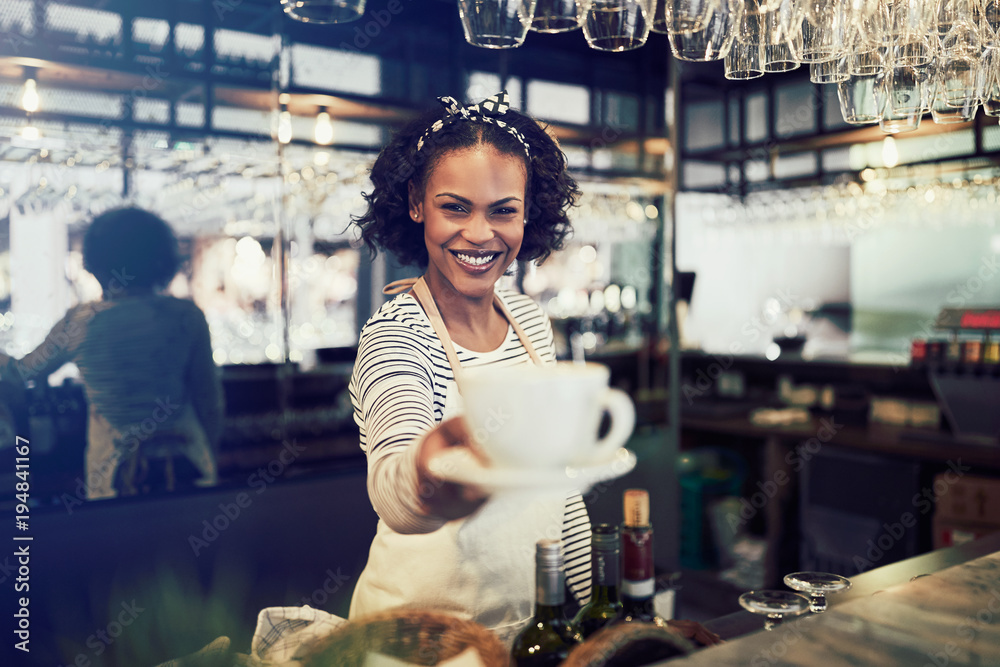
pixel 284 127
pixel 323 131
pixel 890 156
pixel 29 99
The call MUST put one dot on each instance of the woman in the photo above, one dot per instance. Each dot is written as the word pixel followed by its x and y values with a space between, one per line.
pixel 145 358
pixel 454 192
pixel 462 192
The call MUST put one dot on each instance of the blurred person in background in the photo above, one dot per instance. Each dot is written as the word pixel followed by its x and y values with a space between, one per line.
pixel 152 387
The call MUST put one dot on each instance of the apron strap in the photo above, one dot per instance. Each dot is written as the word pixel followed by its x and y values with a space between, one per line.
pixel 399 286
pixel 525 341
pixel 423 296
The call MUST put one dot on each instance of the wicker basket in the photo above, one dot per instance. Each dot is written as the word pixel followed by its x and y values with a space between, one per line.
pixel 628 645
pixel 412 635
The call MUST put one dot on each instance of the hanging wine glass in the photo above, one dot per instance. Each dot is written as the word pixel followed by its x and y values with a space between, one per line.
pixel 960 71
pixel 946 114
pixel 743 61
pixel 496 24
pixel 906 88
pixel 775 606
pixel 324 11
pixel 857 100
pixel 948 12
pixel 930 78
pixel 961 80
pixel 910 35
pixel 559 15
pixel 866 62
pixel 685 16
pixel 618 25
pixel 831 71
pixel 866 48
pixel 817 585
pixel 824 31
pixel 891 120
pixel 991 87
pixel 714 40
pixel 898 123
pixel 989 22
pixel 782 37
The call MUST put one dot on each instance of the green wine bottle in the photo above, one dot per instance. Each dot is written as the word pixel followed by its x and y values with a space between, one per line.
pixel 604 607
pixel 550 637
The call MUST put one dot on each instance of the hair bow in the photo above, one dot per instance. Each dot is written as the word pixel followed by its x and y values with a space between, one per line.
pixel 489 110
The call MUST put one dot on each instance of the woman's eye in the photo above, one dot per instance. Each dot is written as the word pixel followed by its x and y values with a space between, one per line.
pixel 454 207
pixel 505 210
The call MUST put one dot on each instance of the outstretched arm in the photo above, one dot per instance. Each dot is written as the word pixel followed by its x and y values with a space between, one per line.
pixel 55 351
pixel 392 391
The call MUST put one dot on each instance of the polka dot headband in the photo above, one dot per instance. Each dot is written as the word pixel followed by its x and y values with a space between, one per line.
pixel 490 110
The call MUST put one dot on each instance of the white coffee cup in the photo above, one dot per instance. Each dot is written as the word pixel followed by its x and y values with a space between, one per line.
pixel 531 417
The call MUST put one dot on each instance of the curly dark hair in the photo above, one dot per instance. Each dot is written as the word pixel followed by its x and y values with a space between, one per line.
pixel 130 247
pixel 386 224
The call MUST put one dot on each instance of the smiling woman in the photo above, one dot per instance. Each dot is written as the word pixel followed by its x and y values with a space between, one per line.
pixel 472 210
pixel 463 193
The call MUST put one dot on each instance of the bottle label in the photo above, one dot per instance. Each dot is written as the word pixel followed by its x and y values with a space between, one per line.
pixel 639 589
pixel 605 569
pixel 637 554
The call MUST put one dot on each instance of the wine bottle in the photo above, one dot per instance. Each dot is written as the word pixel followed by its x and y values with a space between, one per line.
pixel 638 577
pixel 604 607
pixel 549 637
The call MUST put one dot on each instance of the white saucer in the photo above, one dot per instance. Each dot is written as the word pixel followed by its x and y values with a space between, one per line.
pixel 461 466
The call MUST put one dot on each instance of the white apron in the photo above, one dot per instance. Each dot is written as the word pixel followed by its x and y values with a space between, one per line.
pixel 480 567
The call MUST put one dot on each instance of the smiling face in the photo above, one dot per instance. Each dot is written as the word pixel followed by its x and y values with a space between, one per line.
pixel 473 211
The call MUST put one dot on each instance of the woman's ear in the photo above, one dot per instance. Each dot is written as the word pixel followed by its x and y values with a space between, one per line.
pixel 416 206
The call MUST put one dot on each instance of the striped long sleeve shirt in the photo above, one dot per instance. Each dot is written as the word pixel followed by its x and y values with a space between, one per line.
pixel 402 386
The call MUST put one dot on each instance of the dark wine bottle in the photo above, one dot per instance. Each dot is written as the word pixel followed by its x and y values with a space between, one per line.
pixel 638 577
pixel 604 607
pixel 550 637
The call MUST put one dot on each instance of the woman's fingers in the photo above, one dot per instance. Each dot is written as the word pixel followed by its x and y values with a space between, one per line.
pixel 456 431
pixel 441 498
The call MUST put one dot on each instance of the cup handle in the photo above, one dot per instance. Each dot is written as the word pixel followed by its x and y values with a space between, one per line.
pixel 621 410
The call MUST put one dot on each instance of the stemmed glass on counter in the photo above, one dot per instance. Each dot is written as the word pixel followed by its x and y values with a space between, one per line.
pixel 817 585
pixel 777 605
pixel 774 605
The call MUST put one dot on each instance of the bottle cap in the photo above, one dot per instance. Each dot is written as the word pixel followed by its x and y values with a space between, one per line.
pixel 548 554
pixel 636 508
pixel 606 537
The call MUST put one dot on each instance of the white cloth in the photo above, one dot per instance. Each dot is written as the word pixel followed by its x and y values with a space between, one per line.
pixel 282 631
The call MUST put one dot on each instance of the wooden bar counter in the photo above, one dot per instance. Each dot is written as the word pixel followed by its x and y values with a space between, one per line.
pixel 891 616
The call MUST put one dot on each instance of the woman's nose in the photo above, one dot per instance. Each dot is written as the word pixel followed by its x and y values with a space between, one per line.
pixel 478 230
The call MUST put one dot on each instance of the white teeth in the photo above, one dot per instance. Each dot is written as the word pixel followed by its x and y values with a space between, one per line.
pixel 475 261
